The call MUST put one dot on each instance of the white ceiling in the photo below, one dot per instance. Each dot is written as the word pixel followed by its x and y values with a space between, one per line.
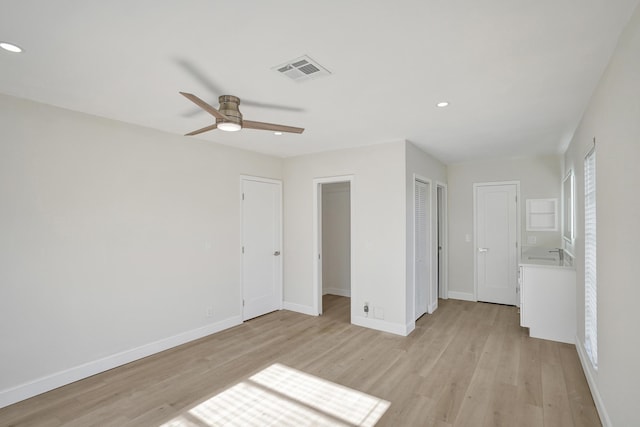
pixel 518 73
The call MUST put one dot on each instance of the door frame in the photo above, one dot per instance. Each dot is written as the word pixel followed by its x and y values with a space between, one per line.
pixel 475 231
pixel 441 212
pixel 280 284
pixel 431 306
pixel 317 236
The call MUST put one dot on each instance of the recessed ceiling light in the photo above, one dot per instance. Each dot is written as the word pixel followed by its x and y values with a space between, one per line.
pixel 277 133
pixel 10 47
pixel 442 104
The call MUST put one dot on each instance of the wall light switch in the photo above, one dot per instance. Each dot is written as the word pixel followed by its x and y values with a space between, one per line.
pixel 467 238
pixel 531 240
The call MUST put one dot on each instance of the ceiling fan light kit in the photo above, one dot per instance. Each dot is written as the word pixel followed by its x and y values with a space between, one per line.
pixel 229 126
pixel 229 118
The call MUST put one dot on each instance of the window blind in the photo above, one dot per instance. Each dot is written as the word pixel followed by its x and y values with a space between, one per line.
pixel 590 276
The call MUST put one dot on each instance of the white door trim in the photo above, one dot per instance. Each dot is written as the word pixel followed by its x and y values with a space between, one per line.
pixel 280 269
pixel 475 230
pixel 431 305
pixel 444 274
pixel 317 236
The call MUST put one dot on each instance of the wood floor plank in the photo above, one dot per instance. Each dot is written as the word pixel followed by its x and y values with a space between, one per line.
pixel 477 398
pixel 556 408
pixel 529 379
pixel 529 415
pixel 580 400
pixel 467 364
pixel 501 409
pixel 507 372
pixel 415 413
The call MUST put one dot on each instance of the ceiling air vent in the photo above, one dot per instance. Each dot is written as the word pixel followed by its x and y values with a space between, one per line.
pixel 302 69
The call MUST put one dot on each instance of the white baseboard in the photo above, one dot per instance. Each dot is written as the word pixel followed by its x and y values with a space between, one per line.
pixel 408 328
pixel 432 307
pixel 58 379
pixel 464 296
pixel 299 308
pixel 382 325
pixel 337 291
pixel 593 385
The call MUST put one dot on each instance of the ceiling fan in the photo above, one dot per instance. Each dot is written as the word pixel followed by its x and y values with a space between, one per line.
pixel 229 118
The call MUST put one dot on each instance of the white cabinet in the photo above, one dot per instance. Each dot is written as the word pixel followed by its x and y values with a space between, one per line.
pixel 548 302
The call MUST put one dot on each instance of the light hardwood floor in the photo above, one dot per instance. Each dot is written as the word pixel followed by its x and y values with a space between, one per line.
pixel 468 364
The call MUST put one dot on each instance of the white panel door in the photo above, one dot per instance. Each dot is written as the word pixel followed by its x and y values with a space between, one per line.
pixel 496 243
pixel 261 245
pixel 422 240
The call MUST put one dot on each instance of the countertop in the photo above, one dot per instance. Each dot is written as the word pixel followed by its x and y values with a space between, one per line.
pixel 541 257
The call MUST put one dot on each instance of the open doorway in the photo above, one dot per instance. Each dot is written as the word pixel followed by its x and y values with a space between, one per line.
pixel 441 230
pixel 336 239
pixel 332 235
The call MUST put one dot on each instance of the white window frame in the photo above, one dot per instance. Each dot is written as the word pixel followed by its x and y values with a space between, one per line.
pixel 568 208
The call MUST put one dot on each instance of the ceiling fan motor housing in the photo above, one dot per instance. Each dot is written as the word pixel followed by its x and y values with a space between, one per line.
pixel 229 107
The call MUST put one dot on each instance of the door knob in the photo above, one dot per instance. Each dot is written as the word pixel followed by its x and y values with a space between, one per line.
pixel 276 253
pixel 483 249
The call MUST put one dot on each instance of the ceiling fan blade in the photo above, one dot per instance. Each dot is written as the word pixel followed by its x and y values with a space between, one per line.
pixel 202 77
pixel 204 129
pixel 272 106
pixel 270 126
pixel 206 107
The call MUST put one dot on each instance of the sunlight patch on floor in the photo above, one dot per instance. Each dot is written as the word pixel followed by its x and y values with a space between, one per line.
pixel 282 396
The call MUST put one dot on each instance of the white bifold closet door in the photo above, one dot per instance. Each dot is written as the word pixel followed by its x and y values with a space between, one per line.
pixel 421 252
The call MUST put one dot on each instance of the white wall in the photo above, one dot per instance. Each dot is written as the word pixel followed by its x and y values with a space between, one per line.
pixel 613 118
pixel 540 177
pixel 378 227
pixel 336 239
pixel 115 241
pixel 420 164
